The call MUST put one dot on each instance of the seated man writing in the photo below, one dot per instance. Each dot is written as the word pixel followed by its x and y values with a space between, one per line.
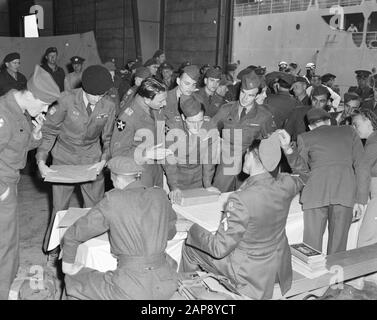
pixel 250 247
pixel 140 221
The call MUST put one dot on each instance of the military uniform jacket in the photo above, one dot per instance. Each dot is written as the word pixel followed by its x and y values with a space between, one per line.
pixel 250 247
pixel 137 125
pixel 212 104
pixel 195 157
pixel 7 82
pixel 281 105
pixel 77 134
pixel 16 140
pixel 334 155
pixel 297 122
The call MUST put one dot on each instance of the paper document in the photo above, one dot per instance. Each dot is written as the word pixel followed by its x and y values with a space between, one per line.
pixel 71 174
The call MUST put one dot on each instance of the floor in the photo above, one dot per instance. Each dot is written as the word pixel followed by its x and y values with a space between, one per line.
pixel 34 208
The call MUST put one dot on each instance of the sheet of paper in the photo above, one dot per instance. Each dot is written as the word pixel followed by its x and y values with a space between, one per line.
pixel 72 215
pixel 71 174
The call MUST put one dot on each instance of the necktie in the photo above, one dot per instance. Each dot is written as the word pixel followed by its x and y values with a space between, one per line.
pixel 89 109
pixel 243 113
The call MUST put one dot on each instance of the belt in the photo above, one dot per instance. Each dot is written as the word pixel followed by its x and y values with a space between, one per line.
pixel 151 262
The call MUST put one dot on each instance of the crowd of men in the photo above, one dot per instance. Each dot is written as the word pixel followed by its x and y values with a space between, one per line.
pixel 209 127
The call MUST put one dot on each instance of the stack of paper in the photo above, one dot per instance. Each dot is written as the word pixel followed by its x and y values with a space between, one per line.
pixel 71 174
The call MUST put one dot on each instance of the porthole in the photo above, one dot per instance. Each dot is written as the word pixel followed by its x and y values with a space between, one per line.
pixel 269 28
pixel 298 26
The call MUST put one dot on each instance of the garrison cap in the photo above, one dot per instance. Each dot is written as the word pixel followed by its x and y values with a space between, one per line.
pixel 124 166
pixel 142 72
pixel 192 71
pixel 43 86
pixel 51 49
pixel 270 152
pixel 191 105
pixel 213 73
pixel 12 56
pixel 327 77
pixel 319 91
pixel 151 62
pixel 96 80
pixel 348 96
pixel 363 74
pixel 77 60
pixel 251 81
pixel 317 114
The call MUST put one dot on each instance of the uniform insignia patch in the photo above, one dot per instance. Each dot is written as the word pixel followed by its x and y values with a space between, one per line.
pixel 121 125
pixel 52 111
pixel 128 111
pixel 1 122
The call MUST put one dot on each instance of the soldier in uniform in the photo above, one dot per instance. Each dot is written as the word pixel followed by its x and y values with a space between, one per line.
pixel 186 85
pixel 10 77
pixel 197 150
pixel 141 74
pixel 140 131
pixel 241 122
pixel 351 104
pixel 17 137
pixel 363 89
pixel 73 132
pixel 250 247
pixel 50 65
pixel 332 193
pixel 140 221
pixel 211 100
pixel 299 87
pixel 166 75
pixel 152 65
pixel 159 56
pixel 73 79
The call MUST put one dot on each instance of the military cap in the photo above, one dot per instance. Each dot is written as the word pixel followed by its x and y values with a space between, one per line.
pixel 51 49
pixel 158 53
pixel 348 96
pixel 192 71
pixel 43 86
pixel 166 65
pixel 77 60
pixel 143 72
pixel 96 80
pixel 281 63
pixel 277 75
pixel 245 71
pixel 270 152
pixel 319 91
pixel 191 105
pixel 251 81
pixel 124 166
pixel 11 57
pixel 150 62
pixel 301 79
pixel 231 66
pixel 213 73
pixel 327 77
pixel 310 65
pixel 363 74
pixel 317 114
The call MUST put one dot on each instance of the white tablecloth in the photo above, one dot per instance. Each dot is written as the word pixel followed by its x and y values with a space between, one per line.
pixel 95 253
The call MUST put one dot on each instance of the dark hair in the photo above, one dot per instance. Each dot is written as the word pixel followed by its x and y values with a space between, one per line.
pixel 366 114
pixel 150 87
pixel 284 84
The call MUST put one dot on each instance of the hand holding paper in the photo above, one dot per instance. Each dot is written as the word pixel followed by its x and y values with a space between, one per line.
pixel 44 169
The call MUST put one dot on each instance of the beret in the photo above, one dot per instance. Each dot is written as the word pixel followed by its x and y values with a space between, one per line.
pixel 143 72
pixel 124 166
pixel 151 62
pixel 77 60
pixel 363 73
pixel 348 96
pixel 51 49
pixel 12 56
pixel 328 76
pixel 317 114
pixel 43 86
pixel 96 80
pixel 319 91
pixel 251 81
pixel 191 105
pixel 213 73
pixel 192 71
pixel 270 152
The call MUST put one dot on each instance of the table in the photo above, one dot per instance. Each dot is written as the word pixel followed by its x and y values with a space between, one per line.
pixel 96 254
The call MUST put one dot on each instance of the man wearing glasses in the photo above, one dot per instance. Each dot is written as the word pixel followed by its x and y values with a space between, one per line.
pixel 81 120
